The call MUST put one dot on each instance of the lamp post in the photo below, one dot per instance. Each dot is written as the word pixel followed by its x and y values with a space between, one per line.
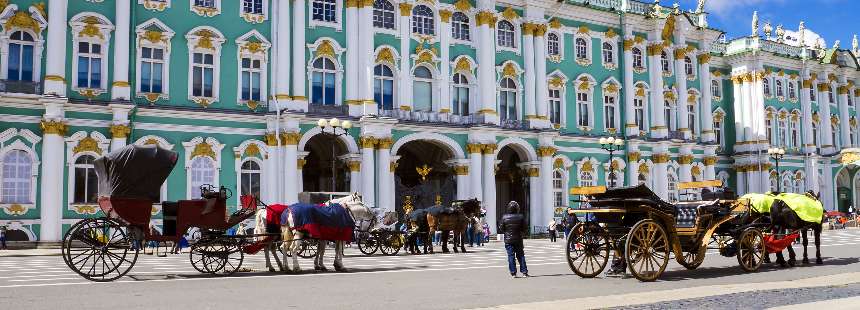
pixel 337 129
pixel 611 145
pixel 777 153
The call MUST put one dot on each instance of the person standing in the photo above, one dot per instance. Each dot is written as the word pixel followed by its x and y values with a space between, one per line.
pixel 571 221
pixel 551 228
pixel 478 231
pixel 2 237
pixel 513 225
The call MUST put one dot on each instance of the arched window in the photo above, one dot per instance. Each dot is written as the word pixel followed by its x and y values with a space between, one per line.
pixel 17 174
pixel 422 89
pixel 672 183
pixel 252 7
pixel 642 179
pixel 787 185
pixel 505 34
pixel 664 63
pixel 815 133
pixel 460 95
pixel 798 183
pixel 609 107
pixel 383 14
pixel 718 131
pixel 583 108
pixel 688 66
pixel 555 104
pixel 252 73
pixel 324 10
pixel 553 46
pixel 773 181
pixel 423 21
pixel 608 53
pixel 86 181
pixel 783 132
pixel 250 178
pixel 792 91
pixel 830 96
pixel 812 94
pixel 558 188
pixel 508 99
pixel 323 82
pixel 202 172
pixel 769 123
pixel 581 49
pixel 779 90
pixel 586 178
pixel 383 87
pixel 715 89
pixel 20 56
pixel 637 58
pixel 639 110
pixel 691 117
pixel 460 26
pixel 669 115
pixel 766 85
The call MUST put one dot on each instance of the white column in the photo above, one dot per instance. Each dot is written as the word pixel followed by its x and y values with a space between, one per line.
pixel 271 174
pixel 300 100
pixel 681 86
pixel 706 110
pixel 355 176
pixel 546 205
pixel 55 61
pixel 486 22
pixel 745 111
pixel 658 121
pixel 844 117
pixel 741 180
pixel 405 83
pixel 737 103
pixel 445 65
pixel 541 91
pixel 300 163
pixel 392 165
pixel 824 123
pixel 462 173
pixel 383 159
pixel 686 161
pixel 290 150
pixel 365 57
pixel 660 157
pixel 121 89
pixel 51 209
pixel 710 162
pixel 806 116
pixel 529 66
pixel 828 188
pixel 475 162
pixel 119 127
pixel 633 156
pixel 810 166
pixel 283 45
pixel 536 206
pixel 353 48
pixel 368 188
pixel 630 124
pixel 489 176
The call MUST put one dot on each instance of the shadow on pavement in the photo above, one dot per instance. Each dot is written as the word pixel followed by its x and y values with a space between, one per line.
pixel 242 274
pixel 718 272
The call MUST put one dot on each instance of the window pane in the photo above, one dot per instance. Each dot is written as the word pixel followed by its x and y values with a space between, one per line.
pixel 83 72
pixel 422 95
pixel 329 88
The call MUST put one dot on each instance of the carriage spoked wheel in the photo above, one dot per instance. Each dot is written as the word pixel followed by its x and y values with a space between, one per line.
pixel 587 250
pixel 202 257
pixel 692 260
pixel 647 250
pixel 308 248
pixel 751 250
pixel 367 243
pixel 99 249
pixel 218 256
pixel 390 243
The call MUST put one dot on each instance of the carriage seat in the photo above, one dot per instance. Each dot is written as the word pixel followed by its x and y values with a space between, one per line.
pixel 686 214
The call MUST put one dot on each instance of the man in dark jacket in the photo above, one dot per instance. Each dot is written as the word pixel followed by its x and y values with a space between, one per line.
pixel 513 225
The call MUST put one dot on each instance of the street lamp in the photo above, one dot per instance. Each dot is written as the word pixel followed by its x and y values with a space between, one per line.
pixel 611 145
pixel 777 153
pixel 337 128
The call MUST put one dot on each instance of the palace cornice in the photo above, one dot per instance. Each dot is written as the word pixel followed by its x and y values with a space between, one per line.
pixel 203 115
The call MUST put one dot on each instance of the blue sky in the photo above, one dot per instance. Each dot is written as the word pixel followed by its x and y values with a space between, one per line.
pixel 832 19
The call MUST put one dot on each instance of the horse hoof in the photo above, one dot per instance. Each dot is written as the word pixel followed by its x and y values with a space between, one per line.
pixel 819 262
pixel 340 269
pixel 271 269
pixel 323 269
pixel 792 263
pixel 806 261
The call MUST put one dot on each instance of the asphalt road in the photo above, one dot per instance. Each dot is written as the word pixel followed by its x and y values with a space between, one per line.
pixel 440 281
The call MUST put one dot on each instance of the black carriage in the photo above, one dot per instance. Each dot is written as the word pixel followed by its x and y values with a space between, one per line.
pixel 643 231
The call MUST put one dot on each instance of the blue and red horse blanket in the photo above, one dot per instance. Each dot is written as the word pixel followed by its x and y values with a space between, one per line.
pixel 322 222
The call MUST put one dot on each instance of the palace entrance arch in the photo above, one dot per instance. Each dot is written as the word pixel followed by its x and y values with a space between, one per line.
pixel 512 182
pixel 323 162
pixel 422 177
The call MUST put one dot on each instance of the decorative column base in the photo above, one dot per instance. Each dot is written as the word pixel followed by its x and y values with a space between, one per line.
pixel 298 103
pixel 539 122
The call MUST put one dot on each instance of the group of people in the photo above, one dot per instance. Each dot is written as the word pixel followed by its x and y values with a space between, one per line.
pixel 567 222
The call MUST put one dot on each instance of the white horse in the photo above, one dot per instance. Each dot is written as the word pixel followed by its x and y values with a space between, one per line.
pixel 291 245
pixel 260 228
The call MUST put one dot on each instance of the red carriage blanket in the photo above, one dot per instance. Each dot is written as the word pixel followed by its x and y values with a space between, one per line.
pixel 322 222
pixel 774 245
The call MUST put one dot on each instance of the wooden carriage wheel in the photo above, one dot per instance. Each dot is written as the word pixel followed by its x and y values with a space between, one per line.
pixel 587 250
pixel 202 257
pixel 390 243
pixel 647 250
pixel 751 250
pixel 367 243
pixel 692 260
pixel 99 249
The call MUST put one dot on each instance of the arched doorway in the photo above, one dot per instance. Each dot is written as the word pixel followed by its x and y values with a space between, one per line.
pixel 16 235
pixel 844 194
pixel 422 178
pixel 323 162
pixel 512 183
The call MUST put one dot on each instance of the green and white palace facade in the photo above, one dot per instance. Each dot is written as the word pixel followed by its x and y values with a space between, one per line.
pixel 497 100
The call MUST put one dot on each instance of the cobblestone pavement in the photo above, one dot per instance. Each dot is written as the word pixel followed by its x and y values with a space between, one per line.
pixel 757 300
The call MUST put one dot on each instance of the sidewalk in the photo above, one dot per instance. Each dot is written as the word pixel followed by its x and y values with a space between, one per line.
pixel 30 252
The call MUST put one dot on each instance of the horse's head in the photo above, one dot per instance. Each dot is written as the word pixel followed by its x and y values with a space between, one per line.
pixel 471 207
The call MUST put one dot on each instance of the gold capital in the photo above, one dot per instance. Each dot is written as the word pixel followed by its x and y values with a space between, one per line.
pixel 472 148
pixel 461 170
pixel 53 127
pixel 546 151
pixel 384 143
pixel 660 158
pixel 710 160
pixel 685 159
pixel 405 9
pixel 488 148
pixel 633 157
pixel 290 138
pixel 119 131
pixel 354 166
pixel 367 142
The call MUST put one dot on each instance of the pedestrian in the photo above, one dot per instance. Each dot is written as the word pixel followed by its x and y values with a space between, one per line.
pixel 514 227
pixel 2 237
pixel 486 232
pixel 551 228
pixel 477 231
pixel 241 229
pixel 571 221
pixel 469 233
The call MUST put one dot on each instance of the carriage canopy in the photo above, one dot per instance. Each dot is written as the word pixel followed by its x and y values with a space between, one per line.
pixel 640 194
pixel 134 171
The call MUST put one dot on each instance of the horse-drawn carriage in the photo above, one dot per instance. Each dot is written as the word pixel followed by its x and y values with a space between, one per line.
pixel 644 231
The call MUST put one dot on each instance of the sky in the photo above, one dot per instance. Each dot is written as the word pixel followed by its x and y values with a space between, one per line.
pixel 832 19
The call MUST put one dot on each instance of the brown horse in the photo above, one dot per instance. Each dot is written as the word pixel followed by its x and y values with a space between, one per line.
pixel 454 218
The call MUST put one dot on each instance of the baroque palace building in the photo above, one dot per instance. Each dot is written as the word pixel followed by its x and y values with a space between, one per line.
pixel 497 100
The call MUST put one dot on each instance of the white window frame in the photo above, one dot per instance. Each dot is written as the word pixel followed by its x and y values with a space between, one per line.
pixel 794 137
pixel 240 171
pixel 469 26
pixel 716 89
pixel 395 11
pixel 254 18
pixel 672 185
pixel 262 54
pixel 559 190
pixel 562 119
pixel 470 86
pixel 164 43
pixel 588 91
pixel 436 21
pixel 205 11
pixel 78 23
pixel 792 91
pixel 780 90
pixel 610 65
pixel 155 5
pixel 30 177
pixel 556 58
pixel 72 156
pixel 614 105
pixel 516 90
pixel 337 24
pixel 588 60
pixel 393 78
pixel 217 39
pixel 644 126
pixel 515 39
pixel 642 61
pixel 189 147
pixel 666 62
pixel 38 48
pixel 670 106
pixel 690 68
